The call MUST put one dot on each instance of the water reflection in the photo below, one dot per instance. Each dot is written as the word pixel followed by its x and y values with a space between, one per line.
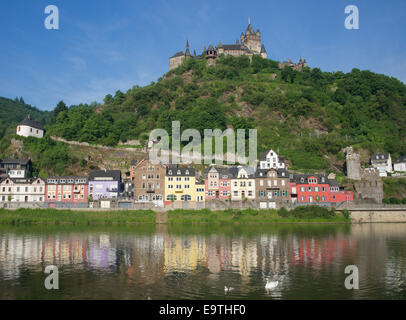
pixel 309 262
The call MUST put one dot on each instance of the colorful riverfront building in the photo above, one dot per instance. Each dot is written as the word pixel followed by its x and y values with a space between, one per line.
pixel 104 184
pixel 67 192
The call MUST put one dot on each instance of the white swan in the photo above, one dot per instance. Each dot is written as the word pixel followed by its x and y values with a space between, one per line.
pixel 228 289
pixel 270 285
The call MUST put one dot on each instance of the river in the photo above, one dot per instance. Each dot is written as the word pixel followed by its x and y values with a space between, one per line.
pixel 197 262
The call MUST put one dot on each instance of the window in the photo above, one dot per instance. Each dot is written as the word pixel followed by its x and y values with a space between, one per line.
pixel 302 189
pixel 178 179
pixel 236 193
pixel 187 178
pixel 186 197
pixel 261 182
pixel 170 179
pixel 187 186
pixel 178 186
pixel 170 186
pixel 301 198
pixel 309 189
pixel 171 197
pixel 316 189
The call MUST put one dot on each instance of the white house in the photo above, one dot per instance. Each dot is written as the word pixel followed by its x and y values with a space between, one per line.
pixel 400 164
pixel 270 159
pixel 242 183
pixel 22 190
pixel 30 128
pixel 382 162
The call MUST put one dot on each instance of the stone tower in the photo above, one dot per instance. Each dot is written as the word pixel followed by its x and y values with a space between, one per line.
pixel 252 39
pixel 353 162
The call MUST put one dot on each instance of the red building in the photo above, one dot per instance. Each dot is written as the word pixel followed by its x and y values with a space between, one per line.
pixel 66 192
pixel 317 189
pixel 217 183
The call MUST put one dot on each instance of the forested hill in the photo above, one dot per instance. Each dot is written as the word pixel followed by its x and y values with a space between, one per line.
pixel 14 111
pixel 308 115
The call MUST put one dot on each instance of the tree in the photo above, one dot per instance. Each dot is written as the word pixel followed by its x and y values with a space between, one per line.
pixel 108 99
pixel 60 107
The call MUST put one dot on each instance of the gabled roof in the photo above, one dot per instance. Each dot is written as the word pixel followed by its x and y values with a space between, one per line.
pixel 22 180
pixel 115 174
pixel 380 156
pixel 401 159
pixel 282 173
pixel 172 171
pixel 31 123
pixel 23 162
pixel 74 178
pixel 233 171
pixel 297 178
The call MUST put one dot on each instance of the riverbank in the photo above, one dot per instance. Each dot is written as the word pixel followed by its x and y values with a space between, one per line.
pixel 130 217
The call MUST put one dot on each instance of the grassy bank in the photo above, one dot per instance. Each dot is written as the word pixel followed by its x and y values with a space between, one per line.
pixel 72 217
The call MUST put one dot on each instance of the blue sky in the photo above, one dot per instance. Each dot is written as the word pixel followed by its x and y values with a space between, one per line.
pixel 106 45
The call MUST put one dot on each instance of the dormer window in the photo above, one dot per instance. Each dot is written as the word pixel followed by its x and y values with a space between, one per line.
pixel 170 172
pixel 178 172
pixel 187 172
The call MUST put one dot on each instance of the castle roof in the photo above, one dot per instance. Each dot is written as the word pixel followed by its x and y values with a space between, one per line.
pixel 263 50
pixel 250 29
pixel 178 54
pixel 234 47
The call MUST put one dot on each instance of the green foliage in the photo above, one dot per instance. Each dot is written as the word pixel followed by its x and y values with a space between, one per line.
pixel 49 157
pixel 14 111
pixel 309 114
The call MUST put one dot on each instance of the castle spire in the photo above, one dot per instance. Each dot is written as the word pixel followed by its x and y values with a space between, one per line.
pixel 187 52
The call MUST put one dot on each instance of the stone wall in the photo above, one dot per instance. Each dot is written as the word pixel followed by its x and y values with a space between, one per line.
pixel 378 216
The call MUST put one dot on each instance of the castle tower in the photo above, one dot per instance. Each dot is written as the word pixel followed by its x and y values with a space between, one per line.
pixel 353 162
pixel 211 55
pixel 252 39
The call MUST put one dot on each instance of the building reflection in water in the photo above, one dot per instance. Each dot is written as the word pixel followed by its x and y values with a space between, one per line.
pixel 146 259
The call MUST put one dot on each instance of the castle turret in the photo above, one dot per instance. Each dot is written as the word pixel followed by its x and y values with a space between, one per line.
pixel 263 52
pixel 211 55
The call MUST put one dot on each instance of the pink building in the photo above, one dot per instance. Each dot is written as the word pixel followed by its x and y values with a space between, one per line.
pixel 217 183
pixel 66 192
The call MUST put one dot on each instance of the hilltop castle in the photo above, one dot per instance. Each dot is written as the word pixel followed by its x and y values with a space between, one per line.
pixel 248 44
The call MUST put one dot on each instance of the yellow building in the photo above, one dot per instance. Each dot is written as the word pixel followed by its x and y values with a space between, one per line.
pixel 200 194
pixel 180 185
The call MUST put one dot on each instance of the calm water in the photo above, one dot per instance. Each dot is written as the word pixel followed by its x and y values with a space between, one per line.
pixel 178 262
